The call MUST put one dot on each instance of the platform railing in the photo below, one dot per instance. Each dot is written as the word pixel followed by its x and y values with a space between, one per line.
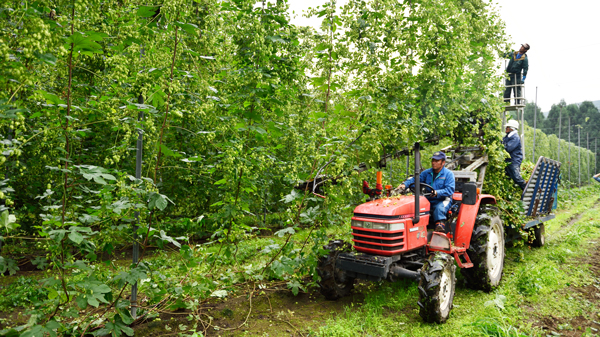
pixel 516 102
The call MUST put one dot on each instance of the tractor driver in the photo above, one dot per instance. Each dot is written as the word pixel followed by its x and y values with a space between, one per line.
pixel 442 180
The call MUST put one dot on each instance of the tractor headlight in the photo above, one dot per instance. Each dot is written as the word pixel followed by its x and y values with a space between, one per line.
pixel 356 223
pixel 396 226
pixel 381 226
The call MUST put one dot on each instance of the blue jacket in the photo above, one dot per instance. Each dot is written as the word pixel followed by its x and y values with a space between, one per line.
pixel 597 179
pixel 443 183
pixel 512 145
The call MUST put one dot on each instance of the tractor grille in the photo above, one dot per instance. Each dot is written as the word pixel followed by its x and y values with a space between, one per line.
pixel 389 242
pixel 377 247
pixel 380 234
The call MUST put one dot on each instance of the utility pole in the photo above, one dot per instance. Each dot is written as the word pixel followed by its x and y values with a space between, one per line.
pixel 588 156
pixel 579 154
pixel 534 125
pixel 522 129
pixel 569 160
pixel 559 130
pixel 138 175
pixel 595 154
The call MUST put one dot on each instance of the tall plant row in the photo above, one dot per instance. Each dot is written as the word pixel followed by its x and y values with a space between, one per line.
pixel 577 163
pixel 240 105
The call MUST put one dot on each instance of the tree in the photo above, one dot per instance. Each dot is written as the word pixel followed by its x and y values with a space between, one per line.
pixel 530 109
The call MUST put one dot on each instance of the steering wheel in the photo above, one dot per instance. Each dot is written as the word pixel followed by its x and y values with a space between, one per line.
pixel 423 186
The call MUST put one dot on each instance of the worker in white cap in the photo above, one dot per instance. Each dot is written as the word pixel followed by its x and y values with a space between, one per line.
pixel 512 145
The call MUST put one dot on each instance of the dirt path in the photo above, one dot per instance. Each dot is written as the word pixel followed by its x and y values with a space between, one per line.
pixel 589 298
pixel 274 312
pixel 572 221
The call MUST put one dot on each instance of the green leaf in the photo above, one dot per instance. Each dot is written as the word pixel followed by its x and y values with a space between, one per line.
pixel 76 237
pixel 52 294
pixel 285 231
pixel 219 293
pixel 46 58
pixel 168 152
pixel 7 222
pixel 189 28
pixel 81 301
pixel 157 201
pixel 93 301
pixel 147 11
pixel 119 206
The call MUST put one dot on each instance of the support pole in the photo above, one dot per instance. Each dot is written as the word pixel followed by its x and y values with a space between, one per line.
pixel 569 161
pixel 522 130
pixel 559 130
pixel 534 125
pixel 138 175
pixel 417 216
pixel 588 157
pixel 579 155
pixel 407 166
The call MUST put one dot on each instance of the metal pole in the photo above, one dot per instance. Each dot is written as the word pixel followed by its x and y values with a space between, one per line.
pixel 579 155
pixel 138 176
pixel 417 216
pixel 595 154
pixel 391 172
pixel 534 125
pixel 522 130
pixel 588 156
pixel 569 161
pixel 559 130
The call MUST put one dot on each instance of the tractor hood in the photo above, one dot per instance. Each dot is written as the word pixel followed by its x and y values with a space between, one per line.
pixel 392 207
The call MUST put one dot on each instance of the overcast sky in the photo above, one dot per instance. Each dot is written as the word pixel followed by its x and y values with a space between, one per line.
pixel 564 60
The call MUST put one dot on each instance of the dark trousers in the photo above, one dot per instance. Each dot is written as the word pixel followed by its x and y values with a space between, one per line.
pixel 512 80
pixel 514 172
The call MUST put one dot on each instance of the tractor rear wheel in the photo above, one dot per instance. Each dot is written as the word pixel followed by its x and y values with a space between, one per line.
pixel 335 283
pixel 539 235
pixel 486 251
pixel 436 288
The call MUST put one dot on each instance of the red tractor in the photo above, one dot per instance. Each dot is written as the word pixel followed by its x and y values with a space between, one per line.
pixel 391 241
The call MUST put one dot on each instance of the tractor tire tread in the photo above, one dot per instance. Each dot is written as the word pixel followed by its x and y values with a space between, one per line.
pixel 331 288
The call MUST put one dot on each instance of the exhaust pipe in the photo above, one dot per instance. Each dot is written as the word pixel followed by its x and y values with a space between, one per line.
pixel 399 272
pixel 417 217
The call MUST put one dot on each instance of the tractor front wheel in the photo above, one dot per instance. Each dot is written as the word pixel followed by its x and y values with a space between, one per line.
pixel 486 251
pixel 335 283
pixel 436 288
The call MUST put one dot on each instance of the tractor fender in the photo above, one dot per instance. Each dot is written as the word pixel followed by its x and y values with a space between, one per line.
pixel 466 220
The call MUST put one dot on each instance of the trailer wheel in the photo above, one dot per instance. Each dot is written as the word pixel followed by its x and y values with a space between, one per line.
pixel 486 251
pixel 436 288
pixel 335 283
pixel 539 233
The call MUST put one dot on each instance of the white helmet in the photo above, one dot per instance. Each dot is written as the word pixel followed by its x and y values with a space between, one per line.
pixel 513 124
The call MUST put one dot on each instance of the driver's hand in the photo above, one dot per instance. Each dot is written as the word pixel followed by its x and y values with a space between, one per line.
pixel 434 193
pixel 402 187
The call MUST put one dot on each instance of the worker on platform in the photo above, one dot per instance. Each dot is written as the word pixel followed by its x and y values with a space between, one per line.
pixel 518 62
pixel 442 181
pixel 512 145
